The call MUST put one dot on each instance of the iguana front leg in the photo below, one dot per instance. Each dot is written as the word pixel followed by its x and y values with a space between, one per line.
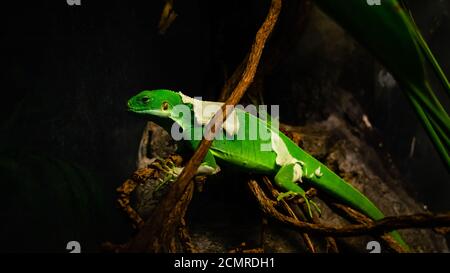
pixel 207 167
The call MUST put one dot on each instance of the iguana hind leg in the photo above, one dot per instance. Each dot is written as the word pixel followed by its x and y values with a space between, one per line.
pixel 208 166
pixel 285 179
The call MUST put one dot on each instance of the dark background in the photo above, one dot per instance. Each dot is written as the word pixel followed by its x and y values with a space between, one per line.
pixel 67 141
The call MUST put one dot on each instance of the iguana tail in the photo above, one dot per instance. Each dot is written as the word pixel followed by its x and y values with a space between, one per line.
pixel 326 180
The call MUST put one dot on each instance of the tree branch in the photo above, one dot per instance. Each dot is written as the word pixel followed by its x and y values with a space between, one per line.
pixel 308 242
pixel 376 227
pixel 153 236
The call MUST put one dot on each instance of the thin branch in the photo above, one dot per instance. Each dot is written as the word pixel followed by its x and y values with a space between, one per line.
pixel 292 22
pixel 362 219
pixel 288 209
pixel 377 227
pixel 153 235
pixel 168 15
pixel 233 80
pixel 185 238
pixel 247 78
pixel 331 243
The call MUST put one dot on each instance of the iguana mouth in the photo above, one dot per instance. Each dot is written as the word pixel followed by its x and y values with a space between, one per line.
pixel 150 112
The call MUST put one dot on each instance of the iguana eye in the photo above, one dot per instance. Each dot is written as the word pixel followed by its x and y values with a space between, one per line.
pixel 145 99
pixel 165 106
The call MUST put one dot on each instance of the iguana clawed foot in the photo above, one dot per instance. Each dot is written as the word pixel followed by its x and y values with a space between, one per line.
pixel 168 166
pixel 290 195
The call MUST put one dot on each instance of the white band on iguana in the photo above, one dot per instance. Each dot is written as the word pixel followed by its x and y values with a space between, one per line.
pixel 205 110
pixel 284 157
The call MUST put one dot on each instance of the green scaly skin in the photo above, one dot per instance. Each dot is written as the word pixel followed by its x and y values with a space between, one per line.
pixel 247 154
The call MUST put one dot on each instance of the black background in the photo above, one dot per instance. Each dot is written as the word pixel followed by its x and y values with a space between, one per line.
pixel 68 71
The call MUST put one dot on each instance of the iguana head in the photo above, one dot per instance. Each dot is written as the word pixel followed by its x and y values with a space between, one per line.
pixel 155 102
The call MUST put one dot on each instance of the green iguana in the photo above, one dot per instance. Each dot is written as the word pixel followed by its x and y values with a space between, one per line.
pixel 251 144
